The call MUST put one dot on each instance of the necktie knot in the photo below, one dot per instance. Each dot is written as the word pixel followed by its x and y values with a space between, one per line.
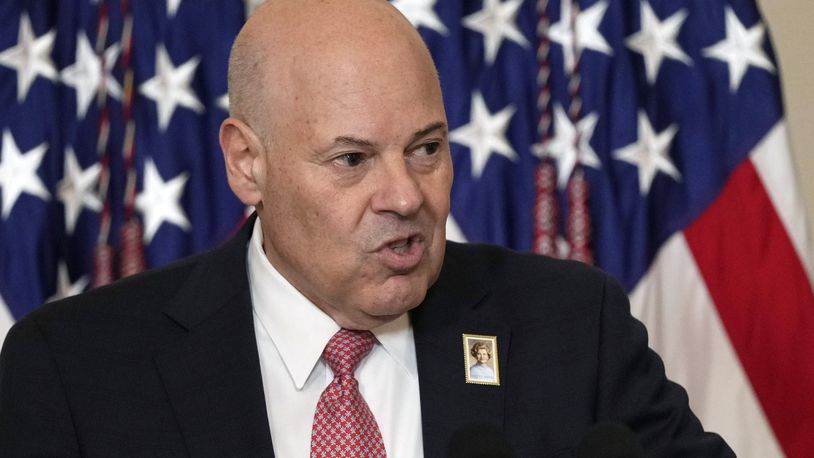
pixel 346 349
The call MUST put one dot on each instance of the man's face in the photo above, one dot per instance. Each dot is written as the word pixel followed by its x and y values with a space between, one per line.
pixel 355 183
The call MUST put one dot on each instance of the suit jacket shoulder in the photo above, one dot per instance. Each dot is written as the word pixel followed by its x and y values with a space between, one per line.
pixel 540 285
pixel 162 363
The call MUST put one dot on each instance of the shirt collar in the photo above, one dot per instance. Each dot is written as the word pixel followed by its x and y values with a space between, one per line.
pixel 299 329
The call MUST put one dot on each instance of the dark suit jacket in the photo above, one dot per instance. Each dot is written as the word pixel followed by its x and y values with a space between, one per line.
pixel 166 364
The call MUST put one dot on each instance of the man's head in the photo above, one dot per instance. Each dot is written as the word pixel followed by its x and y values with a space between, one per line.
pixel 338 136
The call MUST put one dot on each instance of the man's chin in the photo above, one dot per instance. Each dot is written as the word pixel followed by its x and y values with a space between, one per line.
pixel 384 311
pixel 364 321
pixel 401 293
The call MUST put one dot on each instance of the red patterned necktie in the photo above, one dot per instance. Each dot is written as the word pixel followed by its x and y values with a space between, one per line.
pixel 343 423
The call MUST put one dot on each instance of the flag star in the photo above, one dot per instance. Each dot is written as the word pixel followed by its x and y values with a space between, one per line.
pixel 650 153
pixel 657 39
pixel 222 102
pixel 159 201
pixel 31 57
pixel 64 286
pixel 18 172
pixel 496 21
pixel 587 32
pixel 75 190
pixel 85 75
pixel 561 246
pixel 421 13
pixel 170 86
pixel 741 48
pixel 252 5
pixel 485 134
pixel 564 148
pixel 172 7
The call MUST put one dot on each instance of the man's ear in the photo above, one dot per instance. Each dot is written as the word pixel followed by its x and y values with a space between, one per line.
pixel 242 153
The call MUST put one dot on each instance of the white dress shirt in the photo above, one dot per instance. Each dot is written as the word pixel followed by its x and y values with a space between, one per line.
pixel 291 334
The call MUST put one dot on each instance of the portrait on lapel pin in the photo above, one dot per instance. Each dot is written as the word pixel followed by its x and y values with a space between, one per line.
pixel 480 359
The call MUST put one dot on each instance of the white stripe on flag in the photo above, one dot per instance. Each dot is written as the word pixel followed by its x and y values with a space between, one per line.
pixel 6 320
pixel 774 165
pixel 685 329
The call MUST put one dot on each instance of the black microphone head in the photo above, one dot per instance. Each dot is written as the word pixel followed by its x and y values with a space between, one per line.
pixel 610 440
pixel 479 440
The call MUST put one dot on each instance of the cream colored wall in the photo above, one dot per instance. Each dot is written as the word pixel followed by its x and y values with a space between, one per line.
pixel 790 25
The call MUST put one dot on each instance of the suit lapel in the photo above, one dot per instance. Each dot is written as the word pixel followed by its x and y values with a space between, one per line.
pixel 212 375
pixel 458 303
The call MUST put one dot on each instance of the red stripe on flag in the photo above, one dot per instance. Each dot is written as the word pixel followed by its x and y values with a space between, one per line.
pixel 765 301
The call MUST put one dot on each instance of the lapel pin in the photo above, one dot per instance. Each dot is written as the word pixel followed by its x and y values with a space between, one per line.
pixel 480 359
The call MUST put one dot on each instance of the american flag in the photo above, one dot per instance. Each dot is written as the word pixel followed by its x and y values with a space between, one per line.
pixel 647 137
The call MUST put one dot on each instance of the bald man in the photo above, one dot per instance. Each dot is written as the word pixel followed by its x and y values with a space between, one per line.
pixel 338 138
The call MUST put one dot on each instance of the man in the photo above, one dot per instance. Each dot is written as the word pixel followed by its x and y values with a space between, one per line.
pixel 338 137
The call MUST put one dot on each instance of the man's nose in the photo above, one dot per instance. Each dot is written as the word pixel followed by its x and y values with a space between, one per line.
pixel 398 189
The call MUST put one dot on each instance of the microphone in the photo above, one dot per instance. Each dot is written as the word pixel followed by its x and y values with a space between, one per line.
pixel 479 440
pixel 610 440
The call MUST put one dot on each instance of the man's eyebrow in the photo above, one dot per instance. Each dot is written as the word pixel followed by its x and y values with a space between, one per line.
pixel 349 140
pixel 428 129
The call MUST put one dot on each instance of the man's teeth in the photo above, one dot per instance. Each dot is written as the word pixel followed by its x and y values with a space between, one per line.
pixel 400 247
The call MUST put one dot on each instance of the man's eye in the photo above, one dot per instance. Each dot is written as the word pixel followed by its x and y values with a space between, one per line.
pixel 428 149
pixel 350 159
